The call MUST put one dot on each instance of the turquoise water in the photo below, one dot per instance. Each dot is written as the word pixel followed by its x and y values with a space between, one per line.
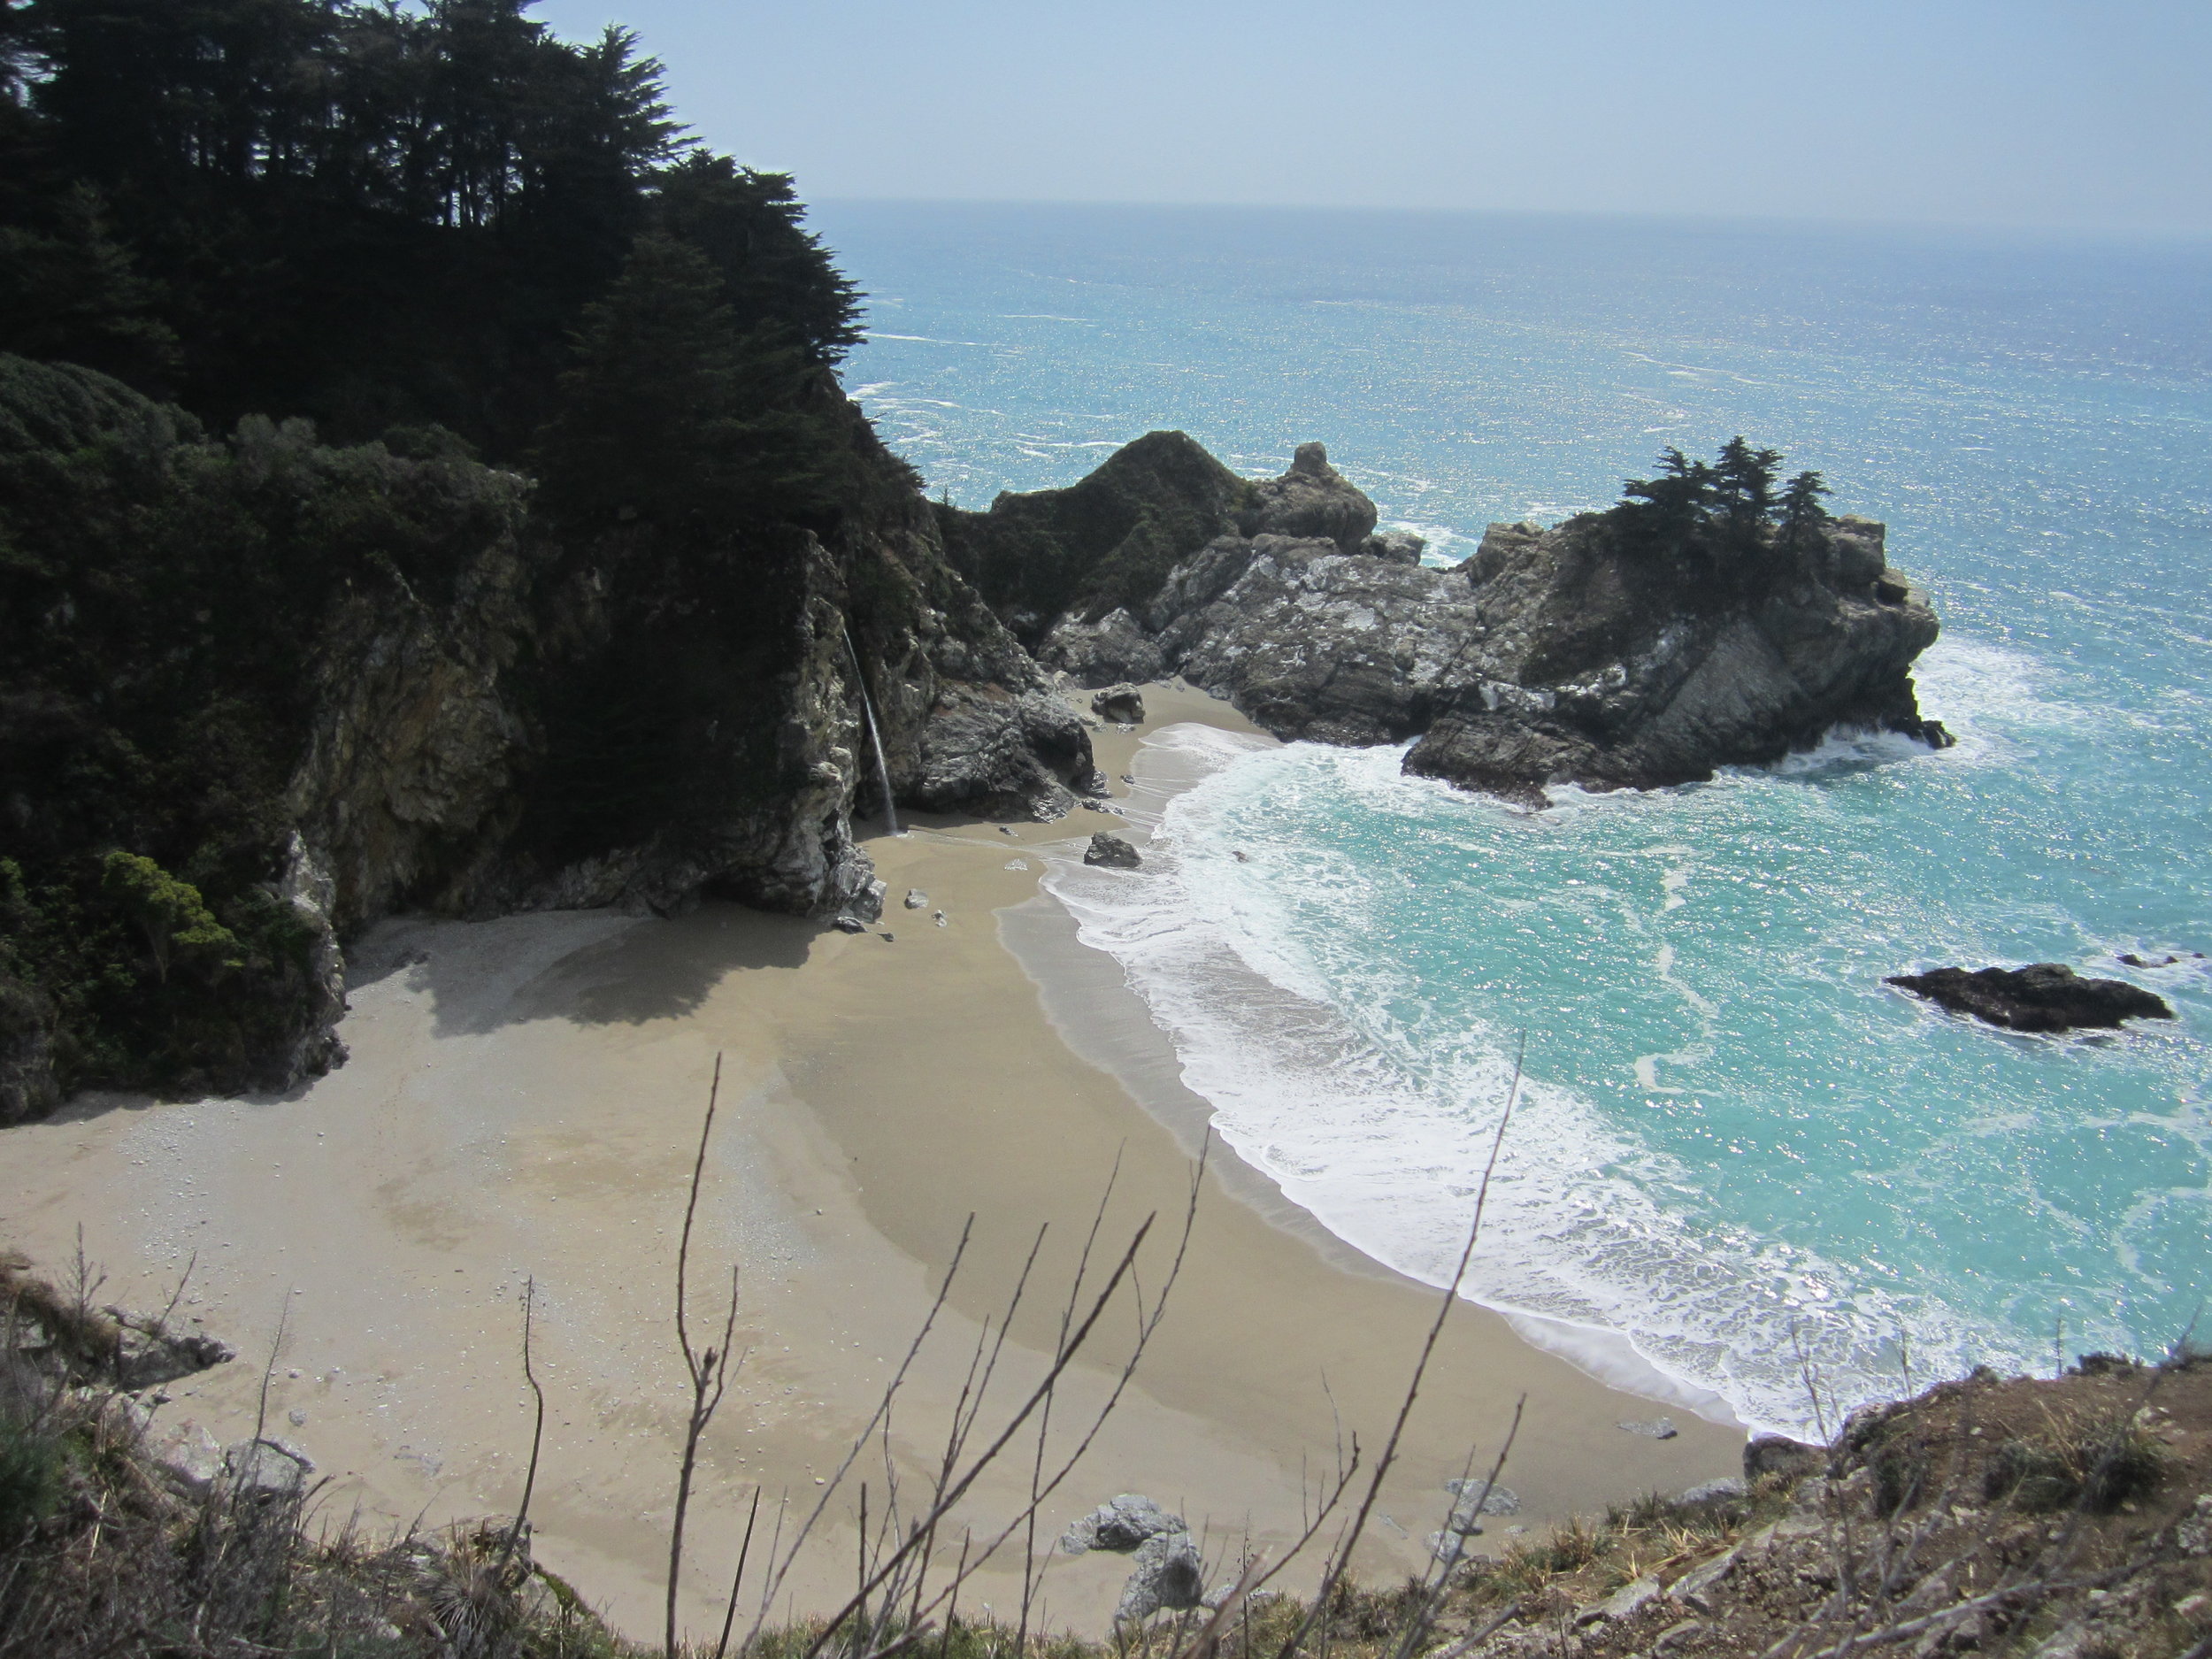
pixel 1740 1154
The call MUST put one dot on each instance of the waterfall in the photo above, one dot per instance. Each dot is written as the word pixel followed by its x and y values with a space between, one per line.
pixel 868 711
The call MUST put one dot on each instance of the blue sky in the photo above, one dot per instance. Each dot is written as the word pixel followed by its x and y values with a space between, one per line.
pixel 2026 112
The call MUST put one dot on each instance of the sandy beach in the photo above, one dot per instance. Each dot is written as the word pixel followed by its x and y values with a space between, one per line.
pixel 522 1104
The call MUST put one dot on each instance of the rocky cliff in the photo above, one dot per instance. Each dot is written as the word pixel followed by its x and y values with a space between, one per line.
pixel 1585 654
pixel 308 687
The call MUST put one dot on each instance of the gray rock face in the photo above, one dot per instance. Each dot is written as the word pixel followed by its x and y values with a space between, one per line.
pixel 1001 757
pixel 1312 499
pixel 1112 650
pixel 1315 642
pixel 1101 646
pixel 1165 1575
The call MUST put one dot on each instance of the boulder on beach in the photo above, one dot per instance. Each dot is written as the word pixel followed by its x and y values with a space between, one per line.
pixel 2045 996
pixel 1113 852
pixel 1166 1574
pixel 1124 704
pixel 1119 1525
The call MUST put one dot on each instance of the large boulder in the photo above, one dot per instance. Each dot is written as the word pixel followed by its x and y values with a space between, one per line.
pixel 1120 1524
pixel 2042 997
pixel 1111 852
pixel 1124 704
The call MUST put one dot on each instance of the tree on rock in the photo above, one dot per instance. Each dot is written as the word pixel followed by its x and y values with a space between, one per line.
pixel 1801 511
pixel 1743 488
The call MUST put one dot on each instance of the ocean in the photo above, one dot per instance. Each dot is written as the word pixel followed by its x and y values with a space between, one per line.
pixel 1740 1164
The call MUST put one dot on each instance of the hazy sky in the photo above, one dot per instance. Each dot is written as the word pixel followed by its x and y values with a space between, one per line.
pixel 2039 112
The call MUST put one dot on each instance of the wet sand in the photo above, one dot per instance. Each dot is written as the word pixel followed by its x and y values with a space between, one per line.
pixel 523 1103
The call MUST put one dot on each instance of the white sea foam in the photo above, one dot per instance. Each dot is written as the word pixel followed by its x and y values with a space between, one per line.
pixel 1387 1146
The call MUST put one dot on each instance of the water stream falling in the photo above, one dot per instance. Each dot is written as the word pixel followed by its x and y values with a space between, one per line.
pixel 875 737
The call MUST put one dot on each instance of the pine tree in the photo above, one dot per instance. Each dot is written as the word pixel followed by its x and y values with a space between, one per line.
pixel 1744 488
pixel 672 415
pixel 1801 511
pixel 1665 511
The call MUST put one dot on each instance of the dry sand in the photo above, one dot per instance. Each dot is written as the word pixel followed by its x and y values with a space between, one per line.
pixel 524 1100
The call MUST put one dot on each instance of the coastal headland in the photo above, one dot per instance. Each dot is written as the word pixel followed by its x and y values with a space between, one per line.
pixel 522 1105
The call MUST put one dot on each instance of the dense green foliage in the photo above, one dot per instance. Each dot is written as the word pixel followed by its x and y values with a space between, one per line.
pixel 1110 540
pixel 369 215
pixel 1727 508
pixel 160 598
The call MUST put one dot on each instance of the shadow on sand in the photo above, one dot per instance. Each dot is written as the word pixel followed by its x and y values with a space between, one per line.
pixel 590 967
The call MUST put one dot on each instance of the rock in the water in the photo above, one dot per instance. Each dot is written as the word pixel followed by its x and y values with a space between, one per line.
pixel 1312 499
pixel 1594 660
pixel 1113 852
pixel 1657 1429
pixel 1166 1574
pixel 1124 704
pixel 1120 1524
pixel 1777 1454
pixel 916 898
pixel 2043 996
pixel 1585 654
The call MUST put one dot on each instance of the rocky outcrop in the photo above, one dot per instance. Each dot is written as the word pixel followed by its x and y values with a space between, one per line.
pixel 2046 997
pixel 1585 654
pixel 1596 661
pixel 1115 648
pixel 996 755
